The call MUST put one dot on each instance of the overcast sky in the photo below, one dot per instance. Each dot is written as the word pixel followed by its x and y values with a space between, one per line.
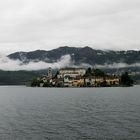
pixel 47 24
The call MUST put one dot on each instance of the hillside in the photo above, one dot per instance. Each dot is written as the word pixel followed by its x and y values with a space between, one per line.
pixel 79 55
pixel 18 77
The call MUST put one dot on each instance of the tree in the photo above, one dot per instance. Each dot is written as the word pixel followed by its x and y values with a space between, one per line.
pixel 98 72
pixel 46 84
pixel 126 80
pixel 57 73
pixel 88 72
pixel 35 83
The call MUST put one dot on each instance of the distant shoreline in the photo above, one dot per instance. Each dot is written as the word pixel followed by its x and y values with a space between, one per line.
pixel 66 87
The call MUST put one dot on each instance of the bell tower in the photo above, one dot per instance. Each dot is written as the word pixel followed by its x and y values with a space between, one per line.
pixel 50 72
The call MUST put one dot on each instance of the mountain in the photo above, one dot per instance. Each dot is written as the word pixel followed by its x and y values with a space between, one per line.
pixel 79 56
pixel 85 55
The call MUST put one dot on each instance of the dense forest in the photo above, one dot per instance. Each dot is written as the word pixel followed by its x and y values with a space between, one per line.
pixel 18 77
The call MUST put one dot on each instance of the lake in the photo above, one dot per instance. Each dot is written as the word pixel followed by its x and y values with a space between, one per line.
pixel 69 113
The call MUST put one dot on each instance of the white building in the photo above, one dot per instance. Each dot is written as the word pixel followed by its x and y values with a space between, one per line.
pixel 72 72
pixel 69 74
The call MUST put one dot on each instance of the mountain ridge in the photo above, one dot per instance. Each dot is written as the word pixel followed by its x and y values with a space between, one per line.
pixel 79 55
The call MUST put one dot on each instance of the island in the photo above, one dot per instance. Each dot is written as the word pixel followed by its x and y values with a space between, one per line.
pixel 81 77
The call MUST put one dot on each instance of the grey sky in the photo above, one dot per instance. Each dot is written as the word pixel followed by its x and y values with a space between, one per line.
pixel 47 24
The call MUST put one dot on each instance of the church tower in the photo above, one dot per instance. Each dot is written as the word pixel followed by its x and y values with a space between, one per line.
pixel 50 72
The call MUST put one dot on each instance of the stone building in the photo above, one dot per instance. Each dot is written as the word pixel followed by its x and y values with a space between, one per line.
pixel 49 72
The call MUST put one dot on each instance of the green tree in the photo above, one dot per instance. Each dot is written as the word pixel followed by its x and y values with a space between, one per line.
pixel 35 83
pixel 98 72
pixel 57 73
pixel 88 72
pixel 126 80
pixel 46 84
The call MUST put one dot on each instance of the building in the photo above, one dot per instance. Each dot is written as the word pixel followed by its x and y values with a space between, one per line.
pixel 49 72
pixel 76 77
pixel 78 83
pixel 68 81
pixel 113 81
pixel 72 72
pixel 89 81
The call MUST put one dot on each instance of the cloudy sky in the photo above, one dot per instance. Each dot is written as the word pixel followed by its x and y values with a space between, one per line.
pixel 46 24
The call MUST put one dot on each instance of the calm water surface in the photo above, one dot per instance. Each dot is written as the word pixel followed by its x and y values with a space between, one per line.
pixel 69 114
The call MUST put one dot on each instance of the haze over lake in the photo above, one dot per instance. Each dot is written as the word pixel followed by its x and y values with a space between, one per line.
pixel 69 113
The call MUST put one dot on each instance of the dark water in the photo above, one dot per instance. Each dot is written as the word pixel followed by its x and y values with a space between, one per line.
pixel 69 114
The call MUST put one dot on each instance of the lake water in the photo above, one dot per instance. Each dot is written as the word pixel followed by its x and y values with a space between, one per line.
pixel 69 113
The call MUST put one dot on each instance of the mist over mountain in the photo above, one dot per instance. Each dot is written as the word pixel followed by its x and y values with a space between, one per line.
pixel 21 67
pixel 79 56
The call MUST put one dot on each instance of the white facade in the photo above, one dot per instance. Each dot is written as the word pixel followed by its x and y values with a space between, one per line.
pixel 73 71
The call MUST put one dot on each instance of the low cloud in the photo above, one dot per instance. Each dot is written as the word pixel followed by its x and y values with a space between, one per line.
pixel 117 65
pixel 15 65
pixel 8 64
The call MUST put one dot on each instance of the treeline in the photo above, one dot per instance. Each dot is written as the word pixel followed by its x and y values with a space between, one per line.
pixel 126 80
pixel 94 72
pixel 17 77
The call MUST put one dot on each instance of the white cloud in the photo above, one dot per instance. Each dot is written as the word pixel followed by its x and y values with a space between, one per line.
pixel 14 65
pixel 65 61
pixel 117 65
